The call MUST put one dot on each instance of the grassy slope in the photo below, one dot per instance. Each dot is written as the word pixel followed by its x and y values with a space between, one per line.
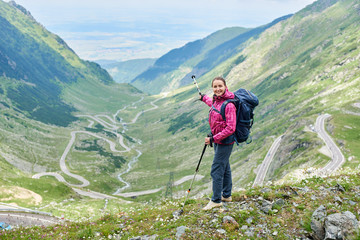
pixel 32 146
pixel 296 70
pixel 296 77
pixel 288 221
pixel 169 70
pixel 124 72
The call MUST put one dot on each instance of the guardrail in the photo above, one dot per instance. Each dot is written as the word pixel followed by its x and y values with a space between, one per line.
pixel 25 211
pixel 4 207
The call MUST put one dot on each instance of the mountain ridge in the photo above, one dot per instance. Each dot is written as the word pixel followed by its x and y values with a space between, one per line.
pixel 175 58
pixel 300 67
pixel 126 71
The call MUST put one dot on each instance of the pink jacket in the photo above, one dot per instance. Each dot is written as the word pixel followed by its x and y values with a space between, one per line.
pixel 219 128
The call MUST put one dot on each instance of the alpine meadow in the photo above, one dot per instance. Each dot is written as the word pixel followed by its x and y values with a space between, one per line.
pixel 108 151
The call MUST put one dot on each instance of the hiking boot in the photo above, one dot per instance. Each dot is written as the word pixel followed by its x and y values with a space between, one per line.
pixel 212 205
pixel 229 199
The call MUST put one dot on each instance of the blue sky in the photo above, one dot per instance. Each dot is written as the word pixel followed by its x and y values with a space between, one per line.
pixel 122 30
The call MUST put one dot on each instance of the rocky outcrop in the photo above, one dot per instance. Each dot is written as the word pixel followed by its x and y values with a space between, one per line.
pixel 336 226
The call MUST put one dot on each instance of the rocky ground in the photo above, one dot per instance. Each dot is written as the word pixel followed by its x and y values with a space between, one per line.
pixel 314 208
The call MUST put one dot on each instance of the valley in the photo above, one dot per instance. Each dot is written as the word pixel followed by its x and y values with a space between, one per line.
pixel 77 145
pixel 110 124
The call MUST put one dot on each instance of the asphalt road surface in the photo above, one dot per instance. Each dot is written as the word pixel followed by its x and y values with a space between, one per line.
pixel 262 170
pixel 17 216
pixel 337 158
pixel 16 219
pixel 111 126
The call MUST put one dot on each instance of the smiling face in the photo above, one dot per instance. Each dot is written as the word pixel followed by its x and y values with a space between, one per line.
pixel 219 87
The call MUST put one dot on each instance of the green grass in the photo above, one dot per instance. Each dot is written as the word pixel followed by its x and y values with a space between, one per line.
pixel 47 187
pixel 125 221
pixel 347 131
pixel 297 71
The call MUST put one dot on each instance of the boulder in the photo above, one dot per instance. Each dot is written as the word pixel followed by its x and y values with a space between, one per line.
pixel 230 220
pixel 180 232
pixel 266 206
pixel 339 225
pixel 317 223
pixel 336 226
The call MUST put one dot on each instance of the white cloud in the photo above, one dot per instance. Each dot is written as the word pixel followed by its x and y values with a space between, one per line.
pixel 121 29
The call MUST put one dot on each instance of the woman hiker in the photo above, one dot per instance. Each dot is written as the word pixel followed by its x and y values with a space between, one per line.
pixel 223 142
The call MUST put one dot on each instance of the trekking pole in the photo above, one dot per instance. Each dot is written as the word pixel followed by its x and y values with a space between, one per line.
pixel 196 171
pixel 197 86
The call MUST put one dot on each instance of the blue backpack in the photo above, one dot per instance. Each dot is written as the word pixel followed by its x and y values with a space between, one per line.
pixel 245 103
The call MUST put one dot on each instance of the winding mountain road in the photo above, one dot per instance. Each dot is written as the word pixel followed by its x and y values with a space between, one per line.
pixel 109 126
pixel 17 216
pixel 112 126
pixel 176 183
pixel 354 113
pixel 16 219
pixel 337 158
pixel 263 168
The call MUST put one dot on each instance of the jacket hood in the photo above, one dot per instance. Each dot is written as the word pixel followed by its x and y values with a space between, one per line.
pixel 227 95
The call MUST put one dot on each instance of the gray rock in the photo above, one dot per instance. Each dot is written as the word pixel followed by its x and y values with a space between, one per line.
pixel 264 190
pixel 244 227
pixel 317 223
pixel 340 188
pixel 229 219
pixel 338 199
pixel 214 222
pixel 146 237
pixel 304 189
pixel 153 237
pixel 352 203
pixel 177 214
pixel 340 225
pixel 221 231
pixel 266 206
pixel 225 207
pixel 180 231
pixel 249 220
pixel 280 202
pixel 249 233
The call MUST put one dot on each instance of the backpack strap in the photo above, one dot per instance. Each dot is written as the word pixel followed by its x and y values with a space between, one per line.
pixel 223 106
pixel 212 106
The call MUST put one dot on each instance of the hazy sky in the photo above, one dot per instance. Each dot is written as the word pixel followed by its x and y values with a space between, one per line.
pixel 121 30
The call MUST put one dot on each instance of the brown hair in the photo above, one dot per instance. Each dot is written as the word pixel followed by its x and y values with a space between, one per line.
pixel 218 78
pixel 212 83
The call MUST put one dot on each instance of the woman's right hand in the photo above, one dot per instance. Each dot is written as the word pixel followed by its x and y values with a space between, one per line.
pixel 207 141
pixel 201 96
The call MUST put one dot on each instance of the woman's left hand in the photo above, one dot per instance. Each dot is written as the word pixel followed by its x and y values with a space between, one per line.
pixel 207 141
